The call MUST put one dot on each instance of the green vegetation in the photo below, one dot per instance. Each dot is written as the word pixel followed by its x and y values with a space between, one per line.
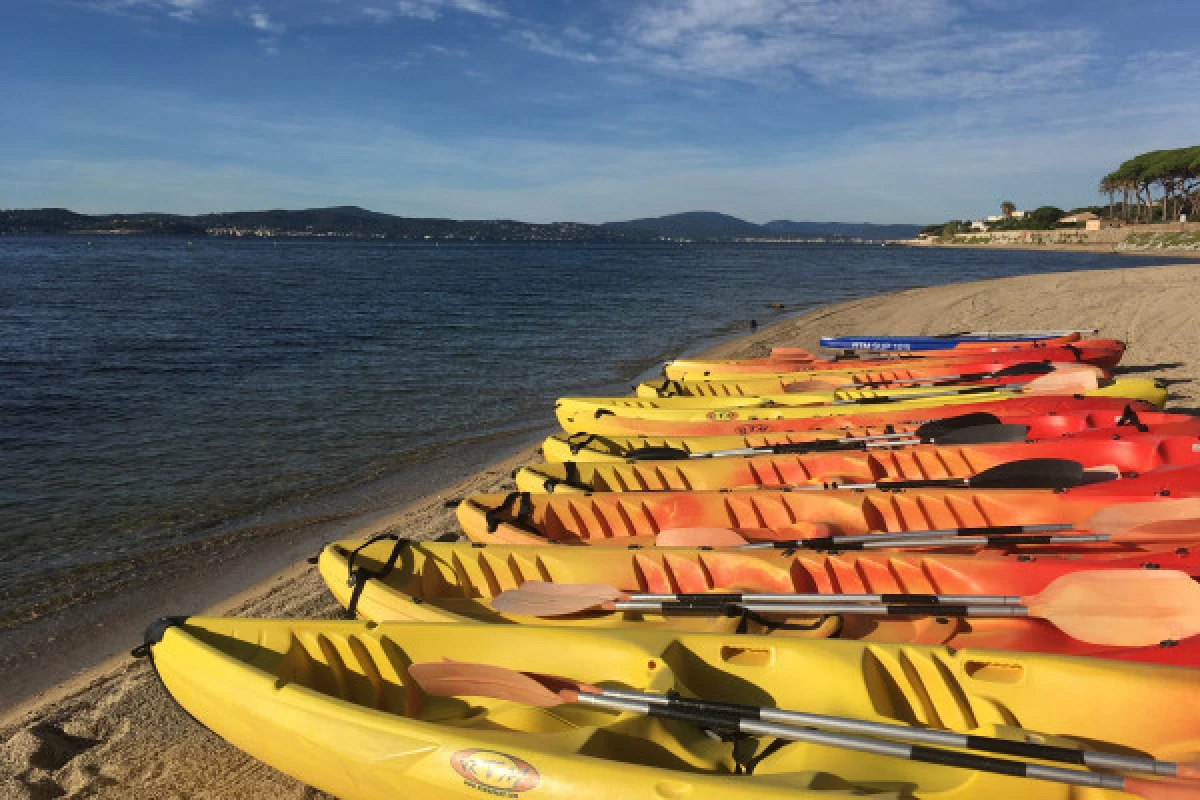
pixel 1044 218
pixel 1175 174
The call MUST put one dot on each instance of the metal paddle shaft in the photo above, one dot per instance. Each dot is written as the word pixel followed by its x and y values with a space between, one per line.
pixel 875 539
pixel 906 733
pixel 921 753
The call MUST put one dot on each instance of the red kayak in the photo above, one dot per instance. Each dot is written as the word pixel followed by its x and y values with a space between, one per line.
pixel 1104 353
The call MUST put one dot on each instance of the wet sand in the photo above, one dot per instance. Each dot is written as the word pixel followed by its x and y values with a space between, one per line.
pixel 111 732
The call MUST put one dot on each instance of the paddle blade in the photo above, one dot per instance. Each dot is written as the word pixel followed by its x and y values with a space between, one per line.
pixel 1031 473
pixel 542 599
pixel 1162 789
pixel 940 427
pixel 699 537
pixel 811 386
pixel 461 679
pixel 1116 519
pixel 1166 530
pixel 1122 608
pixel 1063 383
pixel 983 434
pixel 1025 368
pixel 658 453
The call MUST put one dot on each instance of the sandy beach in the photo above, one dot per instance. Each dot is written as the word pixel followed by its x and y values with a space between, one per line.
pixel 113 732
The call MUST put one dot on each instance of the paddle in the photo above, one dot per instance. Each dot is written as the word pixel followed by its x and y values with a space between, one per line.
pixel 1123 523
pixel 458 679
pixel 1072 382
pixel 1121 608
pixel 1022 368
pixel 975 428
pixel 1028 473
pixel 954 537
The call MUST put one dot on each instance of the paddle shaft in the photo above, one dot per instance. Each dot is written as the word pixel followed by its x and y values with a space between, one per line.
pixel 906 733
pixel 933 609
pixel 725 598
pixel 882 539
pixel 920 753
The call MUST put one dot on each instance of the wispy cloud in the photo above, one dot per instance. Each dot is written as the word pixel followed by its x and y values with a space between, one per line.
pixel 272 16
pixel 539 43
pixel 885 48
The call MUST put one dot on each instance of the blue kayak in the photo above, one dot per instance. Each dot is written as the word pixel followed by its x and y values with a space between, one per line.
pixel 905 343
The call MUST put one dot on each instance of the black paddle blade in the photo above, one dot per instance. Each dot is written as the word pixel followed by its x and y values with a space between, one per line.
pixel 661 453
pixel 1025 368
pixel 1031 473
pixel 940 427
pixel 984 434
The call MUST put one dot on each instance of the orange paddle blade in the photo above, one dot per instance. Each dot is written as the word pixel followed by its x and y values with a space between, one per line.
pixel 1115 520
pixel 699 537
pixel 542 599
pixel 1122 608
pixel 812 386
pixel 1063 383
pixel 1162 789
pixel 461 679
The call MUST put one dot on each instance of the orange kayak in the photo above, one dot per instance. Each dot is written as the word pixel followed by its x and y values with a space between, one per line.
pixel 783 514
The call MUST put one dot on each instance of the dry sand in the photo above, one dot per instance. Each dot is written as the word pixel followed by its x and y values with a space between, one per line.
pixel 113 733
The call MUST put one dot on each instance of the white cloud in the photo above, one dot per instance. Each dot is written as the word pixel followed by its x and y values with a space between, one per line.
pixel 884 48
pixel 538 43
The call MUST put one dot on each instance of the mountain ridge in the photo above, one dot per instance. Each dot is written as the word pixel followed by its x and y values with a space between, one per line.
pixel 355 221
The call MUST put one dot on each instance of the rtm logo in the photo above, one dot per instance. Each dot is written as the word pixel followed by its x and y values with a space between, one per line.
pixel 495 773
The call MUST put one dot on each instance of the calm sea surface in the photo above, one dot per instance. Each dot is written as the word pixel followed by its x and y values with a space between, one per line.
pixel 158 395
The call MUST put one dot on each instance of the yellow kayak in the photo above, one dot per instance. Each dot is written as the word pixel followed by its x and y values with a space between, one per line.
pixel 587 447
pixel 334 705
pixel 612 414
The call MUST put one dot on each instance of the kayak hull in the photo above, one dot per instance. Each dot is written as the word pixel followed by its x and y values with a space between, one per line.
pixel 621 518
pixel 406 581
pixel 743 421
pixel 1135 454
pixel 331 703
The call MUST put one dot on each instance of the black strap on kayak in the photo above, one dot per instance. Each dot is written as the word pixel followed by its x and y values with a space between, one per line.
pixel 522 504
pixel 1129 418
pixel 572 478
pixel 746 766
pixel 1075 351
pixel 669 388
pixel 357 578
pixel 746 617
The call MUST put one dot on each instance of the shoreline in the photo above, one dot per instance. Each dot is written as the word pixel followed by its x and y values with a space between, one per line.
pixel 1107 249
pixel 111 731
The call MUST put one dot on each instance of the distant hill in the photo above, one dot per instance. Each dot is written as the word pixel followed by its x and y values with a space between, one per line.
pixel 715 226
pixel 355 222
pixel 693 225
pixel 856 230
pixel 339 221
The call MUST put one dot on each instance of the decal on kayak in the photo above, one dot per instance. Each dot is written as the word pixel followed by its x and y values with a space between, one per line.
pixel 495 773
pixel 744 429
pixel 722 415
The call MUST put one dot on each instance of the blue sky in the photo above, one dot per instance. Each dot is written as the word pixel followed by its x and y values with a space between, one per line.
pixel 590 110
